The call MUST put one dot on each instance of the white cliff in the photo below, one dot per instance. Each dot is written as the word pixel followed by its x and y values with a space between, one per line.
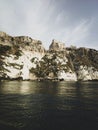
pixel 20 67
pixel 67 76
pixel 87 73
pixel 26 58
pixel 57 46
pixel 17 56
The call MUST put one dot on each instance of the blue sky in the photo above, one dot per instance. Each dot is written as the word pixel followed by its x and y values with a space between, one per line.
pixel 74 22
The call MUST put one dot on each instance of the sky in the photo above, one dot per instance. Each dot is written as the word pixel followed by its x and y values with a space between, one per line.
pixel 73 22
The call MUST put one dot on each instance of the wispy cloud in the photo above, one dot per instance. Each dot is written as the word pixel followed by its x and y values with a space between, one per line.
pixel 49 19
pixel 78 33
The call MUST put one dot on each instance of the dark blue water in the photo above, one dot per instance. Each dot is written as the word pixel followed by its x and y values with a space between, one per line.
pixel 26 105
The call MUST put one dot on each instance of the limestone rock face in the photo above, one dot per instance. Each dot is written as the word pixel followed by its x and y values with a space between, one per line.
pixel 22 43
pixel 26 58
pixel 5 39
pixel 57 46
pixel 16 56
pixel 27 43
pixel 3 34
pixel 85 62
pixel 87 73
